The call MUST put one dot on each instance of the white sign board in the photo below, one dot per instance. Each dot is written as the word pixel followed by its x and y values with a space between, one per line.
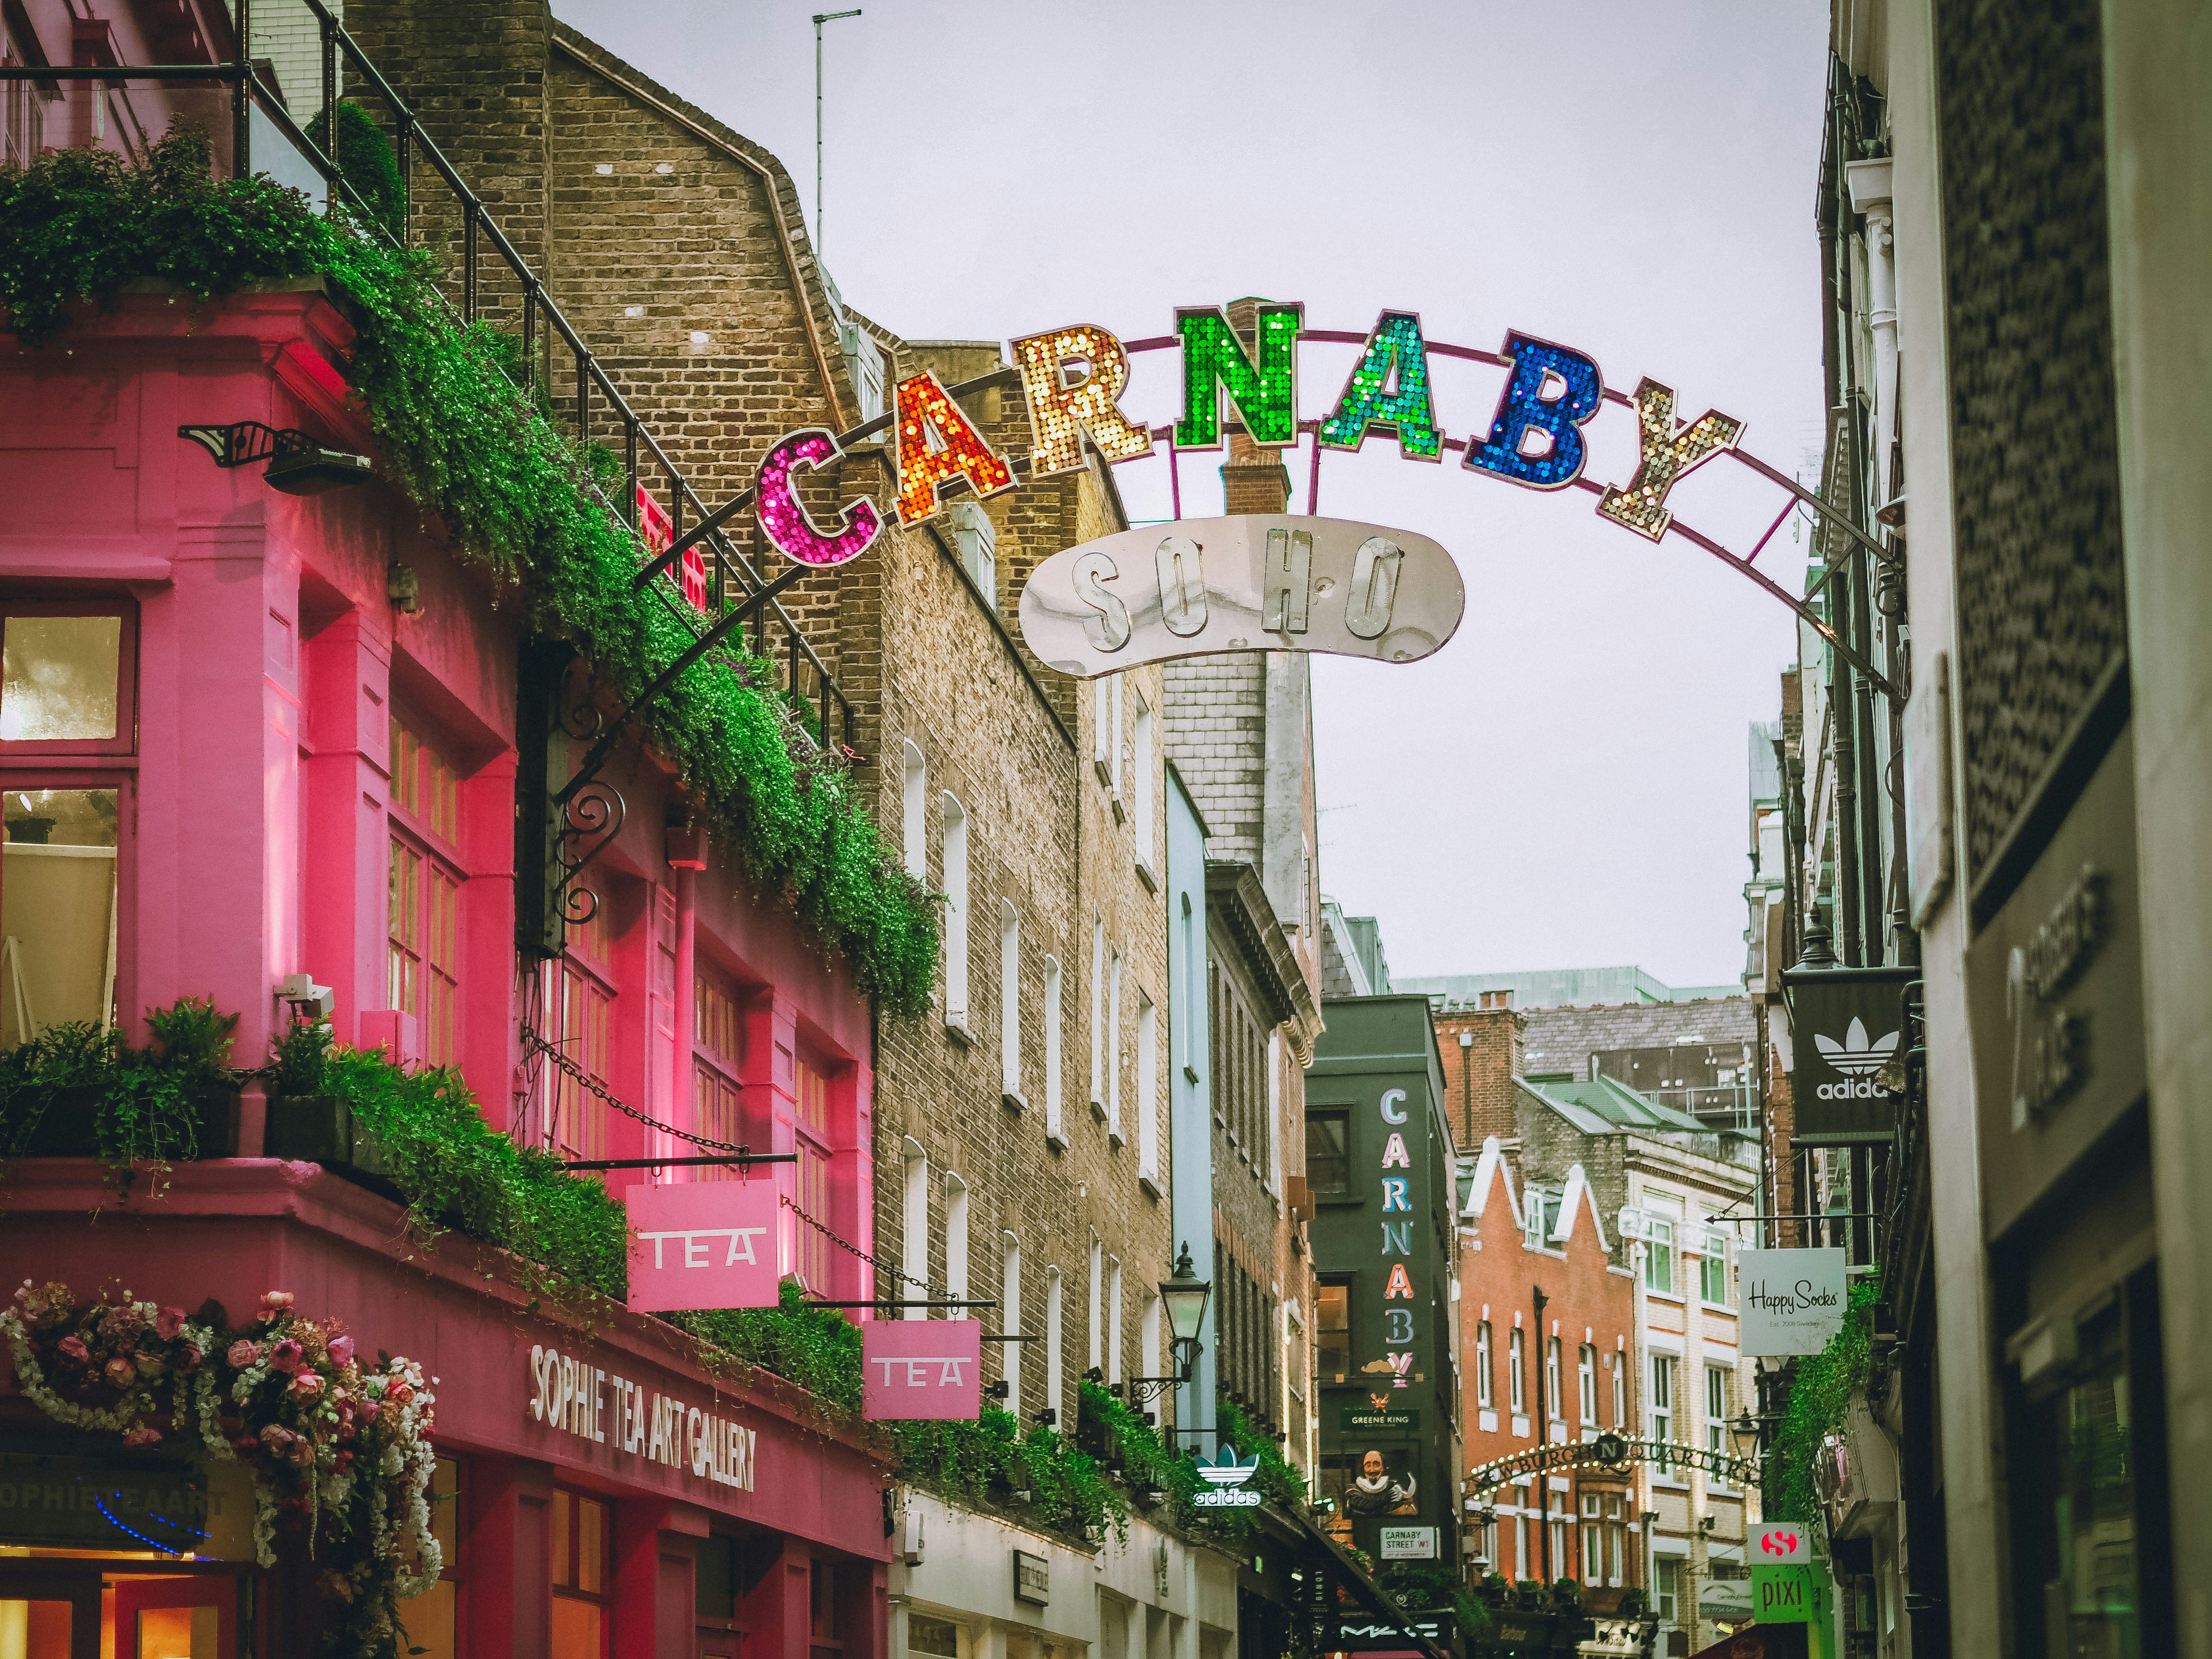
pixel 1793 1300
pixel 1409 1543
pixel 1254 582
pixel 1780 1544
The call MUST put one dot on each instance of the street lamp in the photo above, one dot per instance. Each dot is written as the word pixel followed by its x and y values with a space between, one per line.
pixel 1185 1295
pixel 1744 1432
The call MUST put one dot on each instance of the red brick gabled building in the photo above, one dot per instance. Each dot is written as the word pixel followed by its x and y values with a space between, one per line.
pixel 1546 1322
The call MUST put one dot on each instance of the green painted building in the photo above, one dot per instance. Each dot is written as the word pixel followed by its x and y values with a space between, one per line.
pixel 1379 1161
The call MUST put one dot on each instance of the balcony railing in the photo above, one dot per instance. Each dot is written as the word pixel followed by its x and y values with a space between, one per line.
pixel 124 107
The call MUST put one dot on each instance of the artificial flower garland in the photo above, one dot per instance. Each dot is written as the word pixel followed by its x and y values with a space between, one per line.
pixel 339 1449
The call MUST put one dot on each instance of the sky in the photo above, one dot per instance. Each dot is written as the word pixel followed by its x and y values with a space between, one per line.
pixel 1564 784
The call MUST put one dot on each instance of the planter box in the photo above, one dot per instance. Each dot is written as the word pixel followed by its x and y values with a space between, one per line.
pixel 68 1126
pixel 321 1129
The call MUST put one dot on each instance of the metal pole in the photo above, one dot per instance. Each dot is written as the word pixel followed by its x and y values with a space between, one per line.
pixel 820 18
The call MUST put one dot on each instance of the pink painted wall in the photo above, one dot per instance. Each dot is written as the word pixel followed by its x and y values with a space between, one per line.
pixel 269 662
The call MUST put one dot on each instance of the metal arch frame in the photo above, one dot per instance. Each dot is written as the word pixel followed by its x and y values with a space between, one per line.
pixel 1583 1454
pixel 1800 496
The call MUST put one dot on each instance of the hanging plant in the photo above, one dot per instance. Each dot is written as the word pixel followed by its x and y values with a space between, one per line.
pixel 340 1451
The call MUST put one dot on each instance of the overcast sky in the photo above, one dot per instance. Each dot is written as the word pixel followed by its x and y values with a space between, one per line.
pixel 1564 784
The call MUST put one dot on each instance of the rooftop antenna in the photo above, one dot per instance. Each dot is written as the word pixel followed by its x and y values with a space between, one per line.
pixel 820 18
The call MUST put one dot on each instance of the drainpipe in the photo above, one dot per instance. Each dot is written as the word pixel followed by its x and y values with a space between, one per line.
pixel 1543 1435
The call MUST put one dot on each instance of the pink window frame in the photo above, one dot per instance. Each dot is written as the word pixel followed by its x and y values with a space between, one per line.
pixel 126 740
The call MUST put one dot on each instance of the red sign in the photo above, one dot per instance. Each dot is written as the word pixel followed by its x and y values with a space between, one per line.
pixel 922 1367
pixel 1780 1546
pixel 705 1244
pixel 658 531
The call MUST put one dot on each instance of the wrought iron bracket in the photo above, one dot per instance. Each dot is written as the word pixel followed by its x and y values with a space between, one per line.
pixel 590 817
pixel 731 620
pixel 244 442
pixel 1144 1388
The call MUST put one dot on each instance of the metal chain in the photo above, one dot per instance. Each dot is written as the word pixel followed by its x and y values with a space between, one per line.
pixel 850 1248
pixel 591 1084
pixel 537 1045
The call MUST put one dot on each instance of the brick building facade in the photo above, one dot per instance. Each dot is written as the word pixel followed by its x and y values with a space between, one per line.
pixel 1020 1128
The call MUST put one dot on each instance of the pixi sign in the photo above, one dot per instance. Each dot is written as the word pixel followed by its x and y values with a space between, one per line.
pixel 1258 583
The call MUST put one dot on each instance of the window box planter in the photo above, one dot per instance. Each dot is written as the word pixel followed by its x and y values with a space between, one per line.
pixel 70 1126
pixel 321 1129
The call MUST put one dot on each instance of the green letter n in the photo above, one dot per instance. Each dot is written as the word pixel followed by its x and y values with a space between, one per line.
pixel 1213 362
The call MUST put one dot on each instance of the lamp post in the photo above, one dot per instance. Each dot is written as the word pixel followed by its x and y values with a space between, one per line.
pixel 1185 1295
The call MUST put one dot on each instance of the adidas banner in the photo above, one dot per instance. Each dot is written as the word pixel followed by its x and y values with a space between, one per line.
pixel 1845 1029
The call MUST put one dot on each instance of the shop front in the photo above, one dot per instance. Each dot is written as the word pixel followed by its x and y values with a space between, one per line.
pixel 592 1493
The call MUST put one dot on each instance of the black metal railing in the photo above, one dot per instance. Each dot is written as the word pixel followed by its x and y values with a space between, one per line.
pixel 730 578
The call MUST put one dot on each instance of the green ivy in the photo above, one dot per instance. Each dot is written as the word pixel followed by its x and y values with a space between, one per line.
pixel 993 1459
pixel 367 161
pixel 466 442
pixel 1819 1399
pixel 817 1348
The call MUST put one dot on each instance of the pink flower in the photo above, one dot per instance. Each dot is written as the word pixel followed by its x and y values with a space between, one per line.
pixel 307 1385
pixel 242 1353
pixel 399 1393
pixel 246 1443
pixel 168 1322
pixel 341 1350
pixel 189 1357
pixel 143 1436
pixel 276 1302
pixel 120 1374
pixel 72 1349
pixel 369 1409
pixel 286 1356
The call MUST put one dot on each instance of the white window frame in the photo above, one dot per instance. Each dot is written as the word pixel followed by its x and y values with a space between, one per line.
pixel 1516 1371
pixel 1114 1042
pixel 1052 1037
pixel 955 1241
pixel 1660 1402
pixel 1140 784
pixel 913 1225
pixel 1055 1368
pixel 1716 1429
pixel 1010 999
pixel 1093 1351
pixel 1148 1114
pixel 954 816
pixel 1586 1378
pixel 1113 1319
pixel 1010 1317
pixel 1098 1013
pixel 1620 1390
pixel 1485 1387
pixel 914 813
pixel 1148 1334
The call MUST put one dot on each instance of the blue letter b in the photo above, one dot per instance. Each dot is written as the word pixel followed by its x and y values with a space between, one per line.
pixel 1524 409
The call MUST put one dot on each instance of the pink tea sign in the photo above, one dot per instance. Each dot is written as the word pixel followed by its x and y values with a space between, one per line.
pixel 922 1367
pixel 703 1244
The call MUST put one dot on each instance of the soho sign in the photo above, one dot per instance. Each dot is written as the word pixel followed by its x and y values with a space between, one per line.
pixel 1273 583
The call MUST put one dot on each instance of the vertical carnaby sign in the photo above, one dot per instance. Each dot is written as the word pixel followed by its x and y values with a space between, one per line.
pixel 704 1244
pixel 1844 1027
pixel 915 1368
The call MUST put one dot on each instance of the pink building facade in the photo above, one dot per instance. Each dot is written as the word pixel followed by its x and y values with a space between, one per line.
pixel 229 756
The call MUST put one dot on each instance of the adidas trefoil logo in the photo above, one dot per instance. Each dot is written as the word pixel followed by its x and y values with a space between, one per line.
pixel 1227 1469
pixel 1858 1059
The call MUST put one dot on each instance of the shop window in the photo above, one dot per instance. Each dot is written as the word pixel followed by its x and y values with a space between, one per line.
pixel 582 1574
pixel 1716 1435
pixel 66 674
pixel 1663 1407
pixel 1328 1155
pixel 938 1637
pixel 1713 1269
pixel 812 1254
pixel 584 1000
pixel 57 907
pixel 718 1052
pixel 1659 1248
pixel 424 914
pixel 1332 1330
pixel 825 1622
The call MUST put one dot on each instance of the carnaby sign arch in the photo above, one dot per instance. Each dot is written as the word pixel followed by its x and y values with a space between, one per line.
pixel 1272 582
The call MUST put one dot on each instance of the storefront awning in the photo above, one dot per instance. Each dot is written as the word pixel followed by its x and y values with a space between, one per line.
pixel 1364 1591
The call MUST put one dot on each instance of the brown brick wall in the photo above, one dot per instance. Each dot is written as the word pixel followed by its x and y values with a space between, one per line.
pixel 1479 1097
pixel 529 112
